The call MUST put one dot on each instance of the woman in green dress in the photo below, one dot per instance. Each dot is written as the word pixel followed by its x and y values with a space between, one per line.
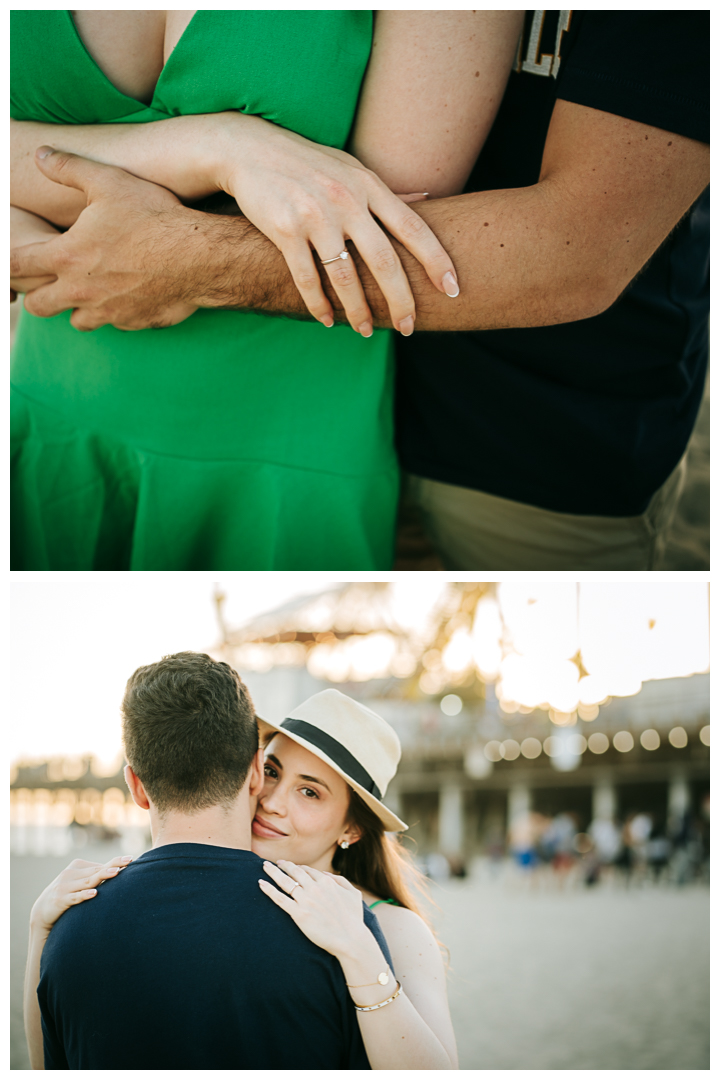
pixel 230 440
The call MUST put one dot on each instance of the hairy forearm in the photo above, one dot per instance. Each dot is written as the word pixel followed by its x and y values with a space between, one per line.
pixel 521 259
pixel 31 1008
pixel 179 153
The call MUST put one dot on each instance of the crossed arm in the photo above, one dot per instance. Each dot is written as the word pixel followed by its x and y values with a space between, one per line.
pixel 609 192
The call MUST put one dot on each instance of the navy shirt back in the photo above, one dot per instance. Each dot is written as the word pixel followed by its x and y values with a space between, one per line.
pixel 181 962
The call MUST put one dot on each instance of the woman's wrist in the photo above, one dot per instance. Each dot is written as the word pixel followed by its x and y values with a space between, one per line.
pixel 38 926
pixel 223 148
pixel 362 961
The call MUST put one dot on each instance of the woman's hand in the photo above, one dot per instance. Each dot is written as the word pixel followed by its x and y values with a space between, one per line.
pixel 78 882
pixel 306 197
pixel 326 907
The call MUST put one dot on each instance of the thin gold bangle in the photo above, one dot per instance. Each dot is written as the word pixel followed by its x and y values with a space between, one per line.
pixel 372 1008
pixel 382 978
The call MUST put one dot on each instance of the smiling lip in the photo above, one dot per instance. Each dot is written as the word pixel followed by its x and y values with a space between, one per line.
pixel 261 828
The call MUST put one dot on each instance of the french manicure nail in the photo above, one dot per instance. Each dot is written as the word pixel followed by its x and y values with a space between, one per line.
pixel 407 326
pixel 327 320
pixel 450 285
pixel 44 151
pixel 366 329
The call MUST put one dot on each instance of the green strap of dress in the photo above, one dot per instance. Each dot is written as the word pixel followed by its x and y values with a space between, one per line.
pixel 375 904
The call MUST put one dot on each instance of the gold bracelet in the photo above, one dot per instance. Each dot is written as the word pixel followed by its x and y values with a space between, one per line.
pixel 383 978
pixel 372 1008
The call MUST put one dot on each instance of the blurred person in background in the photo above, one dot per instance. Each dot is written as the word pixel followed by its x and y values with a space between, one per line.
pixel 624 858
pixel 687 847
pixel 658 852
pixel 639 830
pixel 190 737
pixel 607 841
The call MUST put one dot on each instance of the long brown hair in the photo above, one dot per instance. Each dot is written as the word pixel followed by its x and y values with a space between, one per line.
pixel 379 863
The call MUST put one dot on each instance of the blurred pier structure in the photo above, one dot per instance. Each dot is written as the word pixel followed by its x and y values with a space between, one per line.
pixel 481 774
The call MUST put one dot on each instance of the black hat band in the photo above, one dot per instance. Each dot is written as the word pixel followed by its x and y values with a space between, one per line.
pixel 335 750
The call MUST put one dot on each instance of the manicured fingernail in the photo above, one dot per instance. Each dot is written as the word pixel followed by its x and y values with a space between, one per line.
pixel 365 329
pixel 113 869
pixel 126 858
pixel 44 151
pixel 407 326
pixel 92 892
pixel 327 320
pixel 450 285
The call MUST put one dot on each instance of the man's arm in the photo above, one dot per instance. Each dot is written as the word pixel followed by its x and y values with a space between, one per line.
pixel 610 191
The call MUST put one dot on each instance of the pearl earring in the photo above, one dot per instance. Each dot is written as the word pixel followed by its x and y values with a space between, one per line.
pixel 344 845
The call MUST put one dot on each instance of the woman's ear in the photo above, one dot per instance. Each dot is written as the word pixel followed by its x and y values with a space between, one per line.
pixel 352 834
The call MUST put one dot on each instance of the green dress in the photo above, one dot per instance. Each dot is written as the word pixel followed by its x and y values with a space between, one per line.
pixel 231 441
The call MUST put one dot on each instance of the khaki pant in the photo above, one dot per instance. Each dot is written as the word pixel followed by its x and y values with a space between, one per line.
pixel 472 530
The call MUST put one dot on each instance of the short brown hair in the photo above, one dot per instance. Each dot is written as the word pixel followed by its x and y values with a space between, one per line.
pixel 189 731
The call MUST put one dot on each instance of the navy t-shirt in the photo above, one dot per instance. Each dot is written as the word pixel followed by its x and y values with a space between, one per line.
pixel 181 962
pixel 587 417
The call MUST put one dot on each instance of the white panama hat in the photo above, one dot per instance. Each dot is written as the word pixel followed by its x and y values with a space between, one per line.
pixel 353 740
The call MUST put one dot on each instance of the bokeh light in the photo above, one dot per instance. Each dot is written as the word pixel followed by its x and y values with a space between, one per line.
pixel 650 739
pixel 451 704
pixel 598 742
pixel 705 735
pixel 678 737
pixel 493 751
pixel 477 764
pixel 531 748
pixel 623 741
pixel 510 749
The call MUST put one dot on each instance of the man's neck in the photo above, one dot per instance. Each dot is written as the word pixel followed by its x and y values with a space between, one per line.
pixel 217 826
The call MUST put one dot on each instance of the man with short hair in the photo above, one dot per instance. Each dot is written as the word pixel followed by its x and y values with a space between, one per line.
pixel 180 962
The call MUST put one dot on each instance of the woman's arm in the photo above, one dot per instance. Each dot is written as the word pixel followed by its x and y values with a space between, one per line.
pixel 433 86
pixel 178 153
pixel 78 882
pixel 411 1032
pixel 27 228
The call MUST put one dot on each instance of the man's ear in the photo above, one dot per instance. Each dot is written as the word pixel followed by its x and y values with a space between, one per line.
pixel 136 789
pixel 257 774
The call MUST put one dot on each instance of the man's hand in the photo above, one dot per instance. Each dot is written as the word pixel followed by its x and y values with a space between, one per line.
pixel 133 258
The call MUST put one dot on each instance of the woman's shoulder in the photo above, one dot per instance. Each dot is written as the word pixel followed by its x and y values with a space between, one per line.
pixel 403 928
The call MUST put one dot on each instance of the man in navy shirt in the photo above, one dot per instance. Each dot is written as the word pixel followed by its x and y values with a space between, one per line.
pixel 180 961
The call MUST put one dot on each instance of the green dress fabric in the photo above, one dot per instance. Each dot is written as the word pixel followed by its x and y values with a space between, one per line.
pixel 232 440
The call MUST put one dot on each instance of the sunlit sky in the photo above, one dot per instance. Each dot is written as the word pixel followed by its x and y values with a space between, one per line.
pixel 75 639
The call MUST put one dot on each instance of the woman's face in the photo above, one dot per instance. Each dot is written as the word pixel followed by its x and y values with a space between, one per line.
pixel 302 811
